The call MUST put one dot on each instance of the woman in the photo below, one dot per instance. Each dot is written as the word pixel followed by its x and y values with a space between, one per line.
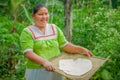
pixel 41 42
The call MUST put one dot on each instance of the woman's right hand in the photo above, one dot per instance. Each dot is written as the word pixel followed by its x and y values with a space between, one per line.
pixel 48 66
pixel 39 60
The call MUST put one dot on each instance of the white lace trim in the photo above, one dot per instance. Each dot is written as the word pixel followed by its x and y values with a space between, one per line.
pixel 27 50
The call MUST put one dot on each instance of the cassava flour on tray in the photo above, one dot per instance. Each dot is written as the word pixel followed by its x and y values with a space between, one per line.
pixel 75 67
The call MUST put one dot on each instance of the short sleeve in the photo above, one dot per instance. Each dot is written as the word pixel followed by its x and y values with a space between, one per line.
pixel 26 41
pixel 61 38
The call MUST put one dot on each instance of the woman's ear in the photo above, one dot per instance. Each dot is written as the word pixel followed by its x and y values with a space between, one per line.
pixel 33 15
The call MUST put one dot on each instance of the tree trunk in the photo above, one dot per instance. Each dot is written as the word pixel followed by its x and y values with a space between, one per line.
pixel 114 4
pixel 68 19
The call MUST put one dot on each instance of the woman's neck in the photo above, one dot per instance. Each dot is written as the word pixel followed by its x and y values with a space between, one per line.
pixel 41 28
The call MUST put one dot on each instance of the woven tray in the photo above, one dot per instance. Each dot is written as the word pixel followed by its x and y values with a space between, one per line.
pixel 96 61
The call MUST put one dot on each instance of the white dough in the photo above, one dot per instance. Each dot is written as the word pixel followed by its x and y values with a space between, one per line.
pixel 75 67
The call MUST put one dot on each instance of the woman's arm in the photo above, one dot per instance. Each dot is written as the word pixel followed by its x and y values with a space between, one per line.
pixel 39 60
pixel 71 48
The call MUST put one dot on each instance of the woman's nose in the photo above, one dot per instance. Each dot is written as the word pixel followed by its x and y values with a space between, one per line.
pixel 44 16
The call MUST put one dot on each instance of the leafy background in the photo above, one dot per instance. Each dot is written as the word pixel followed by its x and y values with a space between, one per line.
pixel 96 26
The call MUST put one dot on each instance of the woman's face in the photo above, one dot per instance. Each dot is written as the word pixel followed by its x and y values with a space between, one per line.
pixel 41 17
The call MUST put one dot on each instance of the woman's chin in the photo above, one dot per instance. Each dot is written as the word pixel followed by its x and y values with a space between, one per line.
pixel 42 25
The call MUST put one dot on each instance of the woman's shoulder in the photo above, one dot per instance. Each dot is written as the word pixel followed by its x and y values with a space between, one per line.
pixel 54 25
pixel 51 24
pixel 27 28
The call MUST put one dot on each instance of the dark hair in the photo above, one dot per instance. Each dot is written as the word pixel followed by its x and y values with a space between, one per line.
pixel 37 7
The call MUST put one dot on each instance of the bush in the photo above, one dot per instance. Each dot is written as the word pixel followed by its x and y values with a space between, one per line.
pixel 10 52
pixel 100 33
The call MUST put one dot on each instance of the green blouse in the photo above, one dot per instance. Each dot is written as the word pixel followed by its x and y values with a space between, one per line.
pixel 45 45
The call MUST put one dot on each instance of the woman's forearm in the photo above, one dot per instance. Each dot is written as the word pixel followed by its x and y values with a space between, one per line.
pixel 39 60
pixel 34 57
pixel 71 48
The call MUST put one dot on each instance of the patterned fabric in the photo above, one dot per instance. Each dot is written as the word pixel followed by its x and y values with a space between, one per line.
pixel 45 45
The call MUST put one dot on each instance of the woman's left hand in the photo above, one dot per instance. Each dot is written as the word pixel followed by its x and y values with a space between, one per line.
pixel 87 52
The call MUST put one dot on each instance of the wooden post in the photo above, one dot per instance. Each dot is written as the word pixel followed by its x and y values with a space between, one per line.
pixel 68 19
pixel 114 3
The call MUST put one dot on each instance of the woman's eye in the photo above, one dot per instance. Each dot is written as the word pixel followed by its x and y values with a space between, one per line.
pixel 43 14
pixel 40 14
pixel 46 13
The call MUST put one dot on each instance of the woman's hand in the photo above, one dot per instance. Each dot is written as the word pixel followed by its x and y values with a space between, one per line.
pixel 48 66
pixel 87 52
pixel 39 60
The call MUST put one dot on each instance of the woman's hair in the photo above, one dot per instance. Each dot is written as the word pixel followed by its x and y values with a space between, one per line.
pixel 37 7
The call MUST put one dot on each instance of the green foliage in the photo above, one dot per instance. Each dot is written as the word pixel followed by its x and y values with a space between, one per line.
pixel 3 5
pixel 14 5
pixel 56 12
pixel 10 52
pixel 100 33
pixel 27 14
